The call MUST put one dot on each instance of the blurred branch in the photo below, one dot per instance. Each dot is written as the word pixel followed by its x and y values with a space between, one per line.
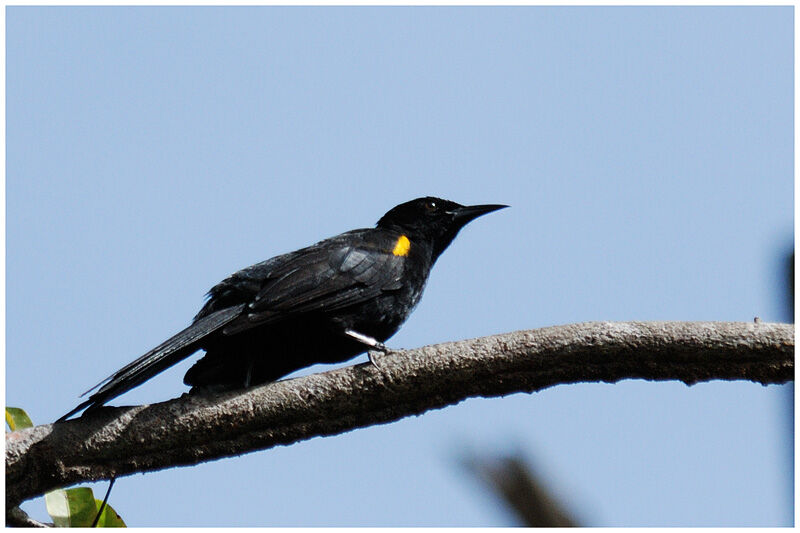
pixel 515 483
pixel 197 428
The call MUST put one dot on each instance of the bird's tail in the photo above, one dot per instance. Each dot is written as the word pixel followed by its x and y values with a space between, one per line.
pixel 163 356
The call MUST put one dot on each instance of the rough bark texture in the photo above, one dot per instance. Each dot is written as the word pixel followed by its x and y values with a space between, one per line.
pixel 197 428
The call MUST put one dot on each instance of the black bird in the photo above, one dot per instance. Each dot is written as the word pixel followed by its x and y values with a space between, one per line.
pixel 325 303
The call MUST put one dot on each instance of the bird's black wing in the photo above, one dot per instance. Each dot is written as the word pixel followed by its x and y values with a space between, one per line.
pixel 158 359
pixel 335 273
pixel 328 276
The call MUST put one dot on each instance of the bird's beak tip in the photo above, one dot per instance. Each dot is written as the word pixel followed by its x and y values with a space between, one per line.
pixel 471 212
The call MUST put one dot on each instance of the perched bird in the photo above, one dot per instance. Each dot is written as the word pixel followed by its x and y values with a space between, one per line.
pixel 325 303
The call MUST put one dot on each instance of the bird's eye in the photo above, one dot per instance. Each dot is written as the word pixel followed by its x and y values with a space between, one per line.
pixel 431 205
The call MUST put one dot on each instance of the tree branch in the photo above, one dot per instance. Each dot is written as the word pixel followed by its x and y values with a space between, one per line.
pixel 197 428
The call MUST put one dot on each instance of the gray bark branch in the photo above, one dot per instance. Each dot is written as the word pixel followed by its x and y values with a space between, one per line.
pixel 197 428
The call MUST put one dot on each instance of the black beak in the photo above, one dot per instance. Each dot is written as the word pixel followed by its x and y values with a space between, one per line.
pixel 470 212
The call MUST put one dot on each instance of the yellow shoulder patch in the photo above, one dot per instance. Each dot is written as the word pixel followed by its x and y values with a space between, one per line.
pixel 402 246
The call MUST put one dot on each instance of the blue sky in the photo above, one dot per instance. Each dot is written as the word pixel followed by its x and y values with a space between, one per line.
pixel 647 154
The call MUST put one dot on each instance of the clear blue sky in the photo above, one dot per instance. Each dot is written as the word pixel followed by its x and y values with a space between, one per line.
pixel 647 154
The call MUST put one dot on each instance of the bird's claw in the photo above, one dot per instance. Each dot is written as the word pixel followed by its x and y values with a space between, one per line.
pixel 373 356
pixel 380 350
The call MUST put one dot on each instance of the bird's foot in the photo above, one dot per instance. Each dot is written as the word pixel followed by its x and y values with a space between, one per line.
pixel 375 345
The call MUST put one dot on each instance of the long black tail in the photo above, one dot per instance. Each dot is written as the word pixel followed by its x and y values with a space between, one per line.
pixel 163 356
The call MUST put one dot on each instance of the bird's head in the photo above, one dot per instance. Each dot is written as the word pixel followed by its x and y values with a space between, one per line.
pixel 434 220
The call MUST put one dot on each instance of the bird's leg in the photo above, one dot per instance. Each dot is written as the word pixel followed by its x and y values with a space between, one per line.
pixel 369 341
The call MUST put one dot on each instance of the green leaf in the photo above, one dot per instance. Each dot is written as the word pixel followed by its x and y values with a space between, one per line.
pixel 109 518
pixel 78 508
pixel 16 419
pixel 72 507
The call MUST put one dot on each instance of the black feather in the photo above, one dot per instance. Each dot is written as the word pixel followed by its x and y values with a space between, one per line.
pixel 297 309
